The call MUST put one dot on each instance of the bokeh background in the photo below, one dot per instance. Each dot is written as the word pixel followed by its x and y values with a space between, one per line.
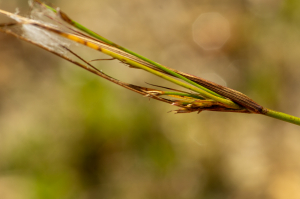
pixel 66 133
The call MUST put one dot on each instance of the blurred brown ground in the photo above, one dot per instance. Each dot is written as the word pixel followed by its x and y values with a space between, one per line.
pixel 65 133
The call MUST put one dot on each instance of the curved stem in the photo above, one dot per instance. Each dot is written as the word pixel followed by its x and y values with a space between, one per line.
pixel 282 116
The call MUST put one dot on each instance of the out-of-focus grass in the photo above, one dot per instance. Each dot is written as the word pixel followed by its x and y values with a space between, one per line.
pixel 68 134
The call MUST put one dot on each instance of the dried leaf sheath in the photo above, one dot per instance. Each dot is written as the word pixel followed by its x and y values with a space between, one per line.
pixel 119 54
pixel 208 96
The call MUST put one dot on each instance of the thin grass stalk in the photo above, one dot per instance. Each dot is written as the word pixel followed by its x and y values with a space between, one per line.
pixel 194 86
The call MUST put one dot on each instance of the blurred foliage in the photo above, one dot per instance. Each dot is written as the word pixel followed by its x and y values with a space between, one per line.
pixel 65 133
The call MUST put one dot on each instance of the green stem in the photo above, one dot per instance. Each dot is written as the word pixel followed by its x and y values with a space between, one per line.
pixel 282 116
pixel 182 94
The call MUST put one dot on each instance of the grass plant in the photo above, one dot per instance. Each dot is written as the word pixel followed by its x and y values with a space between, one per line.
pixel 202 94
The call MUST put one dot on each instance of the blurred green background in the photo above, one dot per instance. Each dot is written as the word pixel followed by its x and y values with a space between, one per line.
pixel 66 133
